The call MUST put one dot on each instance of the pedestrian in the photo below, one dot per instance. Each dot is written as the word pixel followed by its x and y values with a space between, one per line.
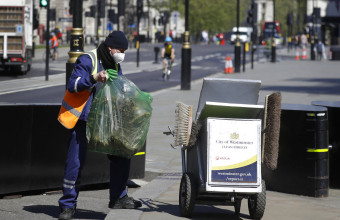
pixel 297 42
pixel 319 48
pixel 205 37
pixel 53 42
pixel 88 75
pixel 303 40
pixel 290 42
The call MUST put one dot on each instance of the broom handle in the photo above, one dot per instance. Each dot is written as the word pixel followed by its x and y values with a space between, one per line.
pixel 184 169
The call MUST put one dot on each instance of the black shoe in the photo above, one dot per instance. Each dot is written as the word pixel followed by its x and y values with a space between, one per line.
pixel 66 214
pixel 125 203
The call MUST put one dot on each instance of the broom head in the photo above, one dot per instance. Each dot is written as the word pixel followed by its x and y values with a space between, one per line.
pixel 183 124
pixel 271 130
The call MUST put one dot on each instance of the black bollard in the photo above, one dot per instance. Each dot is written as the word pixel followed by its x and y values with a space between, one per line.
pixel 156 49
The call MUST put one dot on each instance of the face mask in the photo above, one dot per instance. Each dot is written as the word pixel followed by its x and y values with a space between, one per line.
pixel 118 57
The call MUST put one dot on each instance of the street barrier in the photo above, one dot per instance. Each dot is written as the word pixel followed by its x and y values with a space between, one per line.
pixel 303 152
pixel 34 147
pixel 334 140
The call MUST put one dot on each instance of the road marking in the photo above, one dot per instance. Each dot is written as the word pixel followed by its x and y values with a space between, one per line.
pixel 39 82
pixel 32 88
pixel 32 83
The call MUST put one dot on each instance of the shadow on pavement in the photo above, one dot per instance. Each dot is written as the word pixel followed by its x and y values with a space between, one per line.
pixel 200 212
pixel 54 211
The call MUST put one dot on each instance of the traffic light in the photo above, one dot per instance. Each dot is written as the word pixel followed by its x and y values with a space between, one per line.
pixel 130 20
pixel 166 17
pixel 252 14
pixel 43 3
pixel 290 19
pixel 52 14
pixel 316 15
pixel 139 8
pixel 160 21
pixel 70 5
pixel 112 16
pixel 250 19
pixel 35 19
pixel 101 8
pixel 121 7
pixel 93 11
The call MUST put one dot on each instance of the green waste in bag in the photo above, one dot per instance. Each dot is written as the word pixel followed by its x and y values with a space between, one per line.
pixel 119 118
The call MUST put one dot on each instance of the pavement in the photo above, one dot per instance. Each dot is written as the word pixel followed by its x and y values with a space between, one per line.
pixel 299 81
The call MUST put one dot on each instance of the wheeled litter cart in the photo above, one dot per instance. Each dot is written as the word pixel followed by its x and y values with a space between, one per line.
pixel 224 166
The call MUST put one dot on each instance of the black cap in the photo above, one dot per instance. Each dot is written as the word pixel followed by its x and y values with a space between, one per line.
pixel 116 40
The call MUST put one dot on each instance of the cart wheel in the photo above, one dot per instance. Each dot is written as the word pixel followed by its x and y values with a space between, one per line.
pixel 187 195
pixel 257 203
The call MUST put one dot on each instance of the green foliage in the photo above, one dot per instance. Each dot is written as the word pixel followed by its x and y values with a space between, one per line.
pixel 214 16
pixel 160 5
pixel 284 7
pixel 218 16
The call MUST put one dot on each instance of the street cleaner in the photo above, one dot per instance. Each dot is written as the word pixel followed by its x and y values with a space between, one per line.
pixel 91 70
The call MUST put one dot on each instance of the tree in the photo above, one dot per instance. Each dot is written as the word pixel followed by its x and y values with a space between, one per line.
pixel 284 7
pixel 215 16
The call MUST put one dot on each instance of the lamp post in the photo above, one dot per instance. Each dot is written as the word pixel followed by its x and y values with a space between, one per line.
pixel 237 51
pixel 47 40
pixel 273 60
pixel 77 37
pixel 186 53
pixel 312 41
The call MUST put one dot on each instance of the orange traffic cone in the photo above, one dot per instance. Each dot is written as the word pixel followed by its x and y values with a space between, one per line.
pixel 297 54
pixel 226 64
pixel 230 69
pixel 304 53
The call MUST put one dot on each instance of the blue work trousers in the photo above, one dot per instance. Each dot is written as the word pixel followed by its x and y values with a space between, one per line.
pixel 76 155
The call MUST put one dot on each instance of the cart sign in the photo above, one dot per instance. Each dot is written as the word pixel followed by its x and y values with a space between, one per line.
pixel 234 151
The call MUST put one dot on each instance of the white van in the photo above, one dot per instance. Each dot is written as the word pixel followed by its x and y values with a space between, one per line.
pixel 244 34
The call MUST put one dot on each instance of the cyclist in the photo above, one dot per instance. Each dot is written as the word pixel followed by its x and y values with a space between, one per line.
pixel 54 45
pixel 167 52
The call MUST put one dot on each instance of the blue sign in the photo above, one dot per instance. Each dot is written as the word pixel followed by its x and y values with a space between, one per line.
pixel 109 26
pixel 19 29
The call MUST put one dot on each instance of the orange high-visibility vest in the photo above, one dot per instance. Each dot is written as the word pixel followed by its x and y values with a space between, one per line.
pixel 73 103
pixel 54 41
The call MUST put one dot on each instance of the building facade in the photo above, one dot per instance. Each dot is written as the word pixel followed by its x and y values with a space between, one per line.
pixel 94 28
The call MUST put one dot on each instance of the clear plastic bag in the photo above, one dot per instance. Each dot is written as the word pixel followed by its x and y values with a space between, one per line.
pixel 119 118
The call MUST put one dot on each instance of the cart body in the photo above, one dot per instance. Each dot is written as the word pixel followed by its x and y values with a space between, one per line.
pixel 224 166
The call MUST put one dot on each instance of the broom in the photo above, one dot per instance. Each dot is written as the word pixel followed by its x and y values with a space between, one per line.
pixel 271 123
pixel 183 119
pixel 195 129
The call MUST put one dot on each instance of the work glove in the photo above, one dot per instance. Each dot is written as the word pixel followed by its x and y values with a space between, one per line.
pixel 112 74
